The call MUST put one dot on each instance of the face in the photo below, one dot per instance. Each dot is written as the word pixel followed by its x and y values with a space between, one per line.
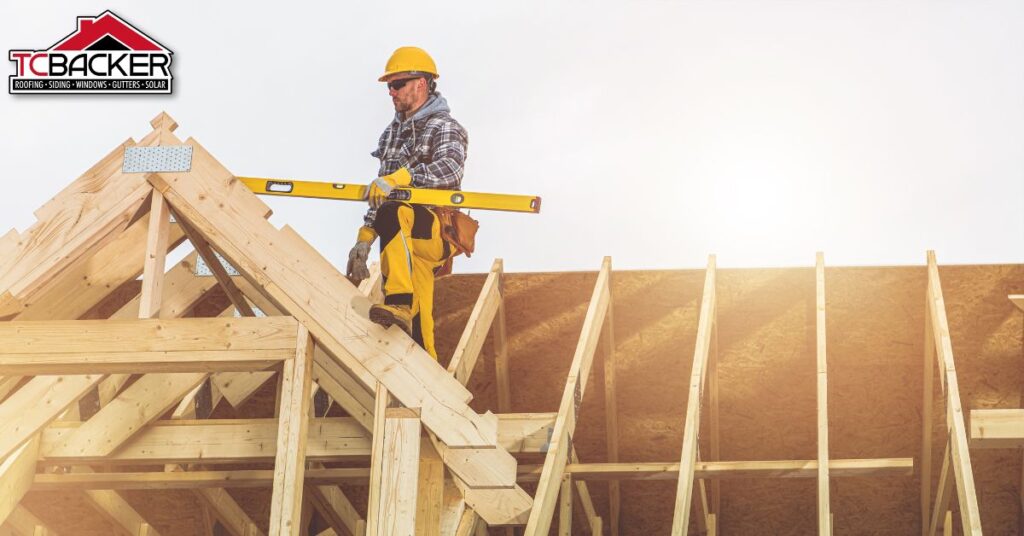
pixel 409 95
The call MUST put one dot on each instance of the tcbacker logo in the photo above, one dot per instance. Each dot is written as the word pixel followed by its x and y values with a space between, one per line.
pixel 104 54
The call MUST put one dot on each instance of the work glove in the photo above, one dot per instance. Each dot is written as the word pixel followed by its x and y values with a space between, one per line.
pixel 382 186
pixel 356 271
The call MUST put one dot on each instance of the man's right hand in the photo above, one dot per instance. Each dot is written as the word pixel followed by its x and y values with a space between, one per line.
pixel 357 258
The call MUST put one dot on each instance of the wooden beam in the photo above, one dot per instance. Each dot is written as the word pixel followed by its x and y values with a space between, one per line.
pixel 1018 300
pixel 430 489
pixel 156 254
pixel 688 457
pixel 539 522
pixel 16 474
pixel 290 461
pixel 824 508
pixel 254 440
pixel 119 512
pixel 374 506
pixel 499 338
pixel 585 500
pixel 25 522
pixel 565 506
pixel 140 362
pixel 967 497
pixel 472 341
pixel 926 418
pixel 219 273
pixel 997 428
pixel 38 403
pixel 226 509
pixel 611 412
pixel 335 507
pixel 943 494
pixel 841 468
pixel 399 468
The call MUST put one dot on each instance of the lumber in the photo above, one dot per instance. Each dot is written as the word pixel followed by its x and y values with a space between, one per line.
pixel 118 512
pixel 429 490
pixel 219 273
pixel 16 474
pixel 1018 300
pixel 310 289
pixel 290 459
pixel 140 362
pixel 688 457
pixel 943 494
pixel 838 468
pixel 585 500
pixel 335 507
pixel 253 440
pixel 38 403
pixel 500 344
pixel 611 415
pixel 540 518
pixel 967 498
pixel 467 351
pixel 824 508
pixel 224 507
pixel 374 506
pixel 399 469
pixel 997 428
pixel 565 506
pixel 25 522
pixel 926 419
pixel 157 240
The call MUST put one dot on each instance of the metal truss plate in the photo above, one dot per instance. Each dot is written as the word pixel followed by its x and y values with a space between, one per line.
pixel 157 159
pixel 203 270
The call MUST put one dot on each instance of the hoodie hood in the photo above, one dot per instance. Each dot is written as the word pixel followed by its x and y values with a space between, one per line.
pixel 435 104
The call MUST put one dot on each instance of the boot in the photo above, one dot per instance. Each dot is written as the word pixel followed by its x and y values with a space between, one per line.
pixel 386 315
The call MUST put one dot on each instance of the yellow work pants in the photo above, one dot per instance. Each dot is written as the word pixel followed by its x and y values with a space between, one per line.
pixel 411 249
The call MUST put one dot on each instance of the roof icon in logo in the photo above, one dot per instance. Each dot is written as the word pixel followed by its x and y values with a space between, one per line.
pixel 107 31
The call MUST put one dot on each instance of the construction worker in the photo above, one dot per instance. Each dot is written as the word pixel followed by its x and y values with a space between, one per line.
pixel 423 147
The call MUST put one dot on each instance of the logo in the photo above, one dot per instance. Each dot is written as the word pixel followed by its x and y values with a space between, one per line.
pixel 104 54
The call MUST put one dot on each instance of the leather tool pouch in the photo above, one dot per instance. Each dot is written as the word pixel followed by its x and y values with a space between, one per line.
pixel 459 230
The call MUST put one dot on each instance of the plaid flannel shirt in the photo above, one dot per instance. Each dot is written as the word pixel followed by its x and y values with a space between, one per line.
pixel 432 146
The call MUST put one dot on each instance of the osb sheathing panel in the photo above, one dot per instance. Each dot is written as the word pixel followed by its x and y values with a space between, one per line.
pixel 766 341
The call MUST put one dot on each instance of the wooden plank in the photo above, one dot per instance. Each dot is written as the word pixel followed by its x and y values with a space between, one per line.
pixel 290 461
pixel 943 494
pixel 139 336
pixel 374 507
pixel 228 512
pixel 143 402
pixel 192 480
pixel 430 489
pixel 824 508
pixel 539 522
pixel 16 474
pixel 156 254
pixel 714 421
pixel 83 285
pixel 38 403
pixel 926 419
pixel 499 338
pixel 611 414
pixel 59 243
pixel 219 273
pixel 970 516
pixel 25 522
pixel 688 457
pixel 310 288
pixel 399 468
pixel 565 506
pixel 254 440
pixel 468 523
pixel 585 500
pixel 467 350
pixel 335 507
pixel 839 468
pixel 1018 300
pixel 238 387
pixel 140 362
pixel 118 512
pixel 997 428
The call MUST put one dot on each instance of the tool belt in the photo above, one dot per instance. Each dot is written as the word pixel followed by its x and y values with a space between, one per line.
pixel 459 231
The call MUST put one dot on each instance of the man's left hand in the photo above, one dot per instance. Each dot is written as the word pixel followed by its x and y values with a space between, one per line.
pixel 382 186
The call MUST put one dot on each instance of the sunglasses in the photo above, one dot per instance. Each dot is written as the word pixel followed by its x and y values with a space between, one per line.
pixel 399 84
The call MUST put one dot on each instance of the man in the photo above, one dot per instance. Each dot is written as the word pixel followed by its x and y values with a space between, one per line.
pixel 423 147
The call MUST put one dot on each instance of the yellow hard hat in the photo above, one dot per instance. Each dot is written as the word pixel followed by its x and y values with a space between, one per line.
pixel 409 59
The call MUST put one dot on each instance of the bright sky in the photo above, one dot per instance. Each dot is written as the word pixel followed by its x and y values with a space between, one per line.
pixel 656 132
